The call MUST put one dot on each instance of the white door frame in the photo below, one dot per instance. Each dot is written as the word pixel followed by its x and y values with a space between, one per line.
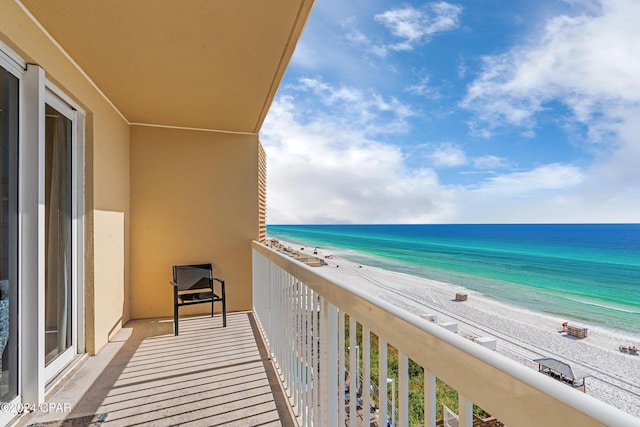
pixel 36 92
pixel 11 62
pixel 54 99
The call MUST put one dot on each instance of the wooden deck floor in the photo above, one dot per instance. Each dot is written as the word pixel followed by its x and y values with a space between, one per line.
pixel 207 376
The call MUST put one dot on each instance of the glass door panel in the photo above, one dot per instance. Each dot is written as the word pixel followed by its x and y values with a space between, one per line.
pixel 58 235
pixel 8 236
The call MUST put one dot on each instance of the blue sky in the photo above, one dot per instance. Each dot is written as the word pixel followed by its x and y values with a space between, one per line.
pixel 475 111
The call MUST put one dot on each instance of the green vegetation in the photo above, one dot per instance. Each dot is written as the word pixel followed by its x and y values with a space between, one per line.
pixel 445 395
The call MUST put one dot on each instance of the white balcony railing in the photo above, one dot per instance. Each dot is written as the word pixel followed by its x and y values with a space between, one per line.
pixel 302 317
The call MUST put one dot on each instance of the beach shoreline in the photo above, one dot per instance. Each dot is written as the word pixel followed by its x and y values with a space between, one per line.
pixel 520 333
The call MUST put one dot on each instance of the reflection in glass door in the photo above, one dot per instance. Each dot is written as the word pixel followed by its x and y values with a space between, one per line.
pixel 58 234
pixel 8 235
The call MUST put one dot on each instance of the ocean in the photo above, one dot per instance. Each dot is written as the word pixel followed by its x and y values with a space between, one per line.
pixel 589 273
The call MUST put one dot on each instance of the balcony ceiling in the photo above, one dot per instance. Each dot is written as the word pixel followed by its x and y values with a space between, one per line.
pixel 189 63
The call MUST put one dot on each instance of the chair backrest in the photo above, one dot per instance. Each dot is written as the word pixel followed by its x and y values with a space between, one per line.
pixel 196 276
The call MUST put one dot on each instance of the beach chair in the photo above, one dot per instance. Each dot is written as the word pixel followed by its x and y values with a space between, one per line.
pixel 194 284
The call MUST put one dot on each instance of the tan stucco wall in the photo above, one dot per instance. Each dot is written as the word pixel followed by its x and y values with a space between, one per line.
pixel 194 199
pixel 106 177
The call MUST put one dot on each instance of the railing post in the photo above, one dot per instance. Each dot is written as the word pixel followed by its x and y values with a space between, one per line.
pixel 465 411
pixel 309 365
pixel 316 359
pixel 382 381
pixel 269 298
pixel 282 348
pixel 291 348
pixel 275 314
pixel 278 317
pixel 429 399
pixel 299 339
pixel 324 366
pixel 342 370
pixel 366 376
pixel 353 372
pixel 332 364
pixel 306 351
pixel 329 364
pixel 403 389
pixel 286 362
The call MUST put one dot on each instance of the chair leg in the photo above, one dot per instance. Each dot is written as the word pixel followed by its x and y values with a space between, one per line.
pixel 175 319
pixel 211 308
pixel 175 310
pixel 224 313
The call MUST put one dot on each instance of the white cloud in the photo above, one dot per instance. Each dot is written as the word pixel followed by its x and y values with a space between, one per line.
pixel 548 193
pixel 359 107
pixel 413 26
pixel 324 170
pixel 490 162
pixel 587 62
pixel 423 88
pixel 547 177
pixel 462 70
pixel 590 64
pixel 448 155
pixel 619 167
pixel 327 161
pixel 356 36
pixel 327 169
pixel 551 193
pixel 590 5
pixel 550 207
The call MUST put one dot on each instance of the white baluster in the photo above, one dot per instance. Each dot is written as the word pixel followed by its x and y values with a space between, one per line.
pixel 316 360
pixel 332 365
pixel 465 411
pixel 382 381
pixel 366 376
pixel 403 389
pixel 353 370
pixel 429 399
pixel 342 370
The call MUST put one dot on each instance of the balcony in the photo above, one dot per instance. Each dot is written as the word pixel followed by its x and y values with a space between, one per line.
pixel 269 367
pixel 299 310
pixel 208 375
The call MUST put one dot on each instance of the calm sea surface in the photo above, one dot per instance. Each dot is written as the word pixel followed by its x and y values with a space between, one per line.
pixel 587 272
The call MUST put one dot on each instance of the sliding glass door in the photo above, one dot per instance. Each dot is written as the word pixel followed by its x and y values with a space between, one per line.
pixel 41 232
pixel 59 279
pixel 8 235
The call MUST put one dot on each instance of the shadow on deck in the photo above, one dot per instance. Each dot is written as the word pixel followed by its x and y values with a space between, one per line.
pixel 208 375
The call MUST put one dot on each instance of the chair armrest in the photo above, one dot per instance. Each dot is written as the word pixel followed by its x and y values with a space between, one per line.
pixel 221 286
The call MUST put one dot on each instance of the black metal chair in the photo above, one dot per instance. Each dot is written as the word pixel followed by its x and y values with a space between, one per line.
pixel 194 284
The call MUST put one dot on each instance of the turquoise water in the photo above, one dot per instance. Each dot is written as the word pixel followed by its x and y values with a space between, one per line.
pixel 585 272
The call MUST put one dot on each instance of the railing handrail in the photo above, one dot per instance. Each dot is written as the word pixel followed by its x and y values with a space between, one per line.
pixel 445 354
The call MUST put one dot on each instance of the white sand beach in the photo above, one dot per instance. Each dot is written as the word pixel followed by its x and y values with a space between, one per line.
pixel 522 335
